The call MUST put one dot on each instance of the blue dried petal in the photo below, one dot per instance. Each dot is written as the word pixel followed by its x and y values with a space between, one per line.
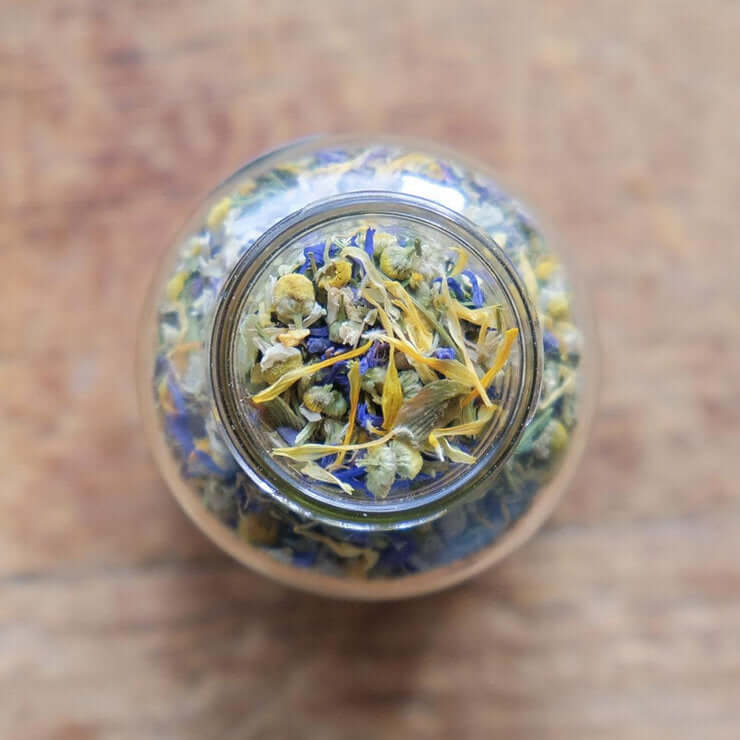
pixel 160 364
pixel 550 343
pixel 319 331
pixel 375 356
pixel 177 398
pixel 454 287
pixel 316 345
pixel 305 559
pixel 288 434
pixel 364 416
pixel 396 556
pixel 477 295
pixel 331 374
pixel 195 284
pixel 351 475
pixel 332 156
pixel 317 250
pixel 179 429
pixel 445 353
pixel 326 461
pixel 370 241
pixel 481 191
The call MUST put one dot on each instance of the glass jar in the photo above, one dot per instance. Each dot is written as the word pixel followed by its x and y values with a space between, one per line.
pixel 362 370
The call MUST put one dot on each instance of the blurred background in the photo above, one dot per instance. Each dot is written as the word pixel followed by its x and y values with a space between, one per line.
pixel 618 123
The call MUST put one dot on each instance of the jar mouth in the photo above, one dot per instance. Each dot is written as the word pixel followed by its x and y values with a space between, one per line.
pixel 249 438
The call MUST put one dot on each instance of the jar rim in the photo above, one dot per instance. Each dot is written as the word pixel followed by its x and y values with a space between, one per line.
pixel 271 478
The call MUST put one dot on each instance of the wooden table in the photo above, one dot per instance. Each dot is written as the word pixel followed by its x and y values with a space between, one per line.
pixel 621 619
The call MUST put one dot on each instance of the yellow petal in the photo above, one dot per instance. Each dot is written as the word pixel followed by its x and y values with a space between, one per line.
pixel 462 260
pixel 456 454
pixel 354 397
pixel 457 335
pixel 468 430
pixel 392 393
pixel 415 322
pixel 317 451
pixel 502 354
pixel 175 285
pixel 293 376
pixel 451 369
pixel 218 213
pixel 312 470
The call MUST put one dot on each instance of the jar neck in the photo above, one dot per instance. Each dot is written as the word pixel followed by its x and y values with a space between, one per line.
pixel 232 404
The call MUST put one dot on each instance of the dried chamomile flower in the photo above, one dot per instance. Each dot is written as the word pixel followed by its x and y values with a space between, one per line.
pixel 293 296
pixel 398 262
pixel 381 242
pixel 372 382
pixel 408 460
pixel 278 360
pixel 336 274
pixel 326 400
pixel 380 464
pixel 346 332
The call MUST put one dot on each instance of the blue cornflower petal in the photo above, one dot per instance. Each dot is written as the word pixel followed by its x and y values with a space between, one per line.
pixel 445 353
pixel 317 250
pixel 364 416
pixel 454 287
pixel 316 345
pixel 337 375
pixel 179 428
pixel 477 295
pixel 319 331
pixel 350 475
pixel 370 241
pixel 288 434
pixel 305 559
pixel 331 156
pixel 550 343
pixel 176 394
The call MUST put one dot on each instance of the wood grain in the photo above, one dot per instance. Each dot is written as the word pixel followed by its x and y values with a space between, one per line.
pixel 620 123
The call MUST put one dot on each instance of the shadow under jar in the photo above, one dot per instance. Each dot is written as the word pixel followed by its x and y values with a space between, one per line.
pixel 362 369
